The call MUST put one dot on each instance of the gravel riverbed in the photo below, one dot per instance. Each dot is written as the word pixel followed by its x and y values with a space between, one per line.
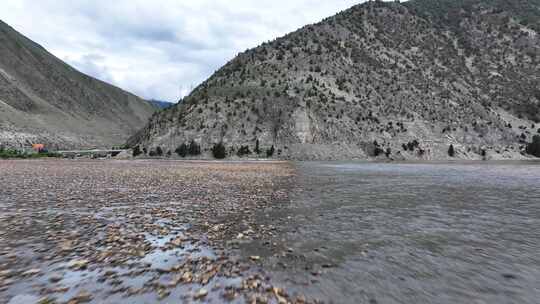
pixel 140 231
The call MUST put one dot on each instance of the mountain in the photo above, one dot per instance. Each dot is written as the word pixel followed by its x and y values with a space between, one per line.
pixel 381 79
pixel 44 100
pixel 161 104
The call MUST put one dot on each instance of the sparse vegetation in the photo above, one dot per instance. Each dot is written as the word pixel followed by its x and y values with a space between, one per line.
pixel 243 151
pixel 373 149
pixel 12 153
pixel 452 11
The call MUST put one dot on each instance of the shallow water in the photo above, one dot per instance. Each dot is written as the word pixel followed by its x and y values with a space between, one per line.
pixel 414 233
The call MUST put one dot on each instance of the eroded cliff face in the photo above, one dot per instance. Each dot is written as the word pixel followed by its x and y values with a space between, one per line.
pixel 43 100
pixel 380 79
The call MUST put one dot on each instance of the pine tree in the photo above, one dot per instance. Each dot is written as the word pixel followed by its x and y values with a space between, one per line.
pixel 182 150
pixel 219 151
pixel 534 147
pixel 257 148
pixel 194 148
pixel 270 152
pixel 137 151
pixel 451 151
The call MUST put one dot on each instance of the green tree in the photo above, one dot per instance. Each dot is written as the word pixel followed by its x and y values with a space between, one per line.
pixel 194 148
pixel 534 147
pixel 484 154
pixel 270 152
pixel 257 148
pixel 159 151
pixel 451 151
pixel 219 151
pixel 182 150
pixel 137 151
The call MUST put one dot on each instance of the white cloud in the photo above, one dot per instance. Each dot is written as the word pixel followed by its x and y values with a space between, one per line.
pixel 158 49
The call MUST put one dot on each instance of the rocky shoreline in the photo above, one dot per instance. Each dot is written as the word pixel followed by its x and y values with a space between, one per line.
pixel 139 231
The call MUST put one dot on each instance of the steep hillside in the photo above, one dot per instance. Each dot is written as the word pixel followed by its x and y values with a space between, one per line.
pixel 44 100
pixel 380 79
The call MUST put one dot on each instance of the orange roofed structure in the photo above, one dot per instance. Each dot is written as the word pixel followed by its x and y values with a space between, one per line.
pixel 38 147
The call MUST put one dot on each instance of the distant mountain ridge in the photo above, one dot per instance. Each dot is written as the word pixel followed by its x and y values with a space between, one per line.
pixel 161 104
pixel 44 100
pixel 382 79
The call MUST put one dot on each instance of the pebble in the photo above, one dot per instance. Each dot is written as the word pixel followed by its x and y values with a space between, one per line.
pixel 31 272
pixel 200 294
pixel 82 297
pixel 55 278
pixel 78 264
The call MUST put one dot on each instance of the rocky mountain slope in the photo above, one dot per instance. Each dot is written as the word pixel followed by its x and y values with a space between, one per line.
pixel 381 79
pixel 43 100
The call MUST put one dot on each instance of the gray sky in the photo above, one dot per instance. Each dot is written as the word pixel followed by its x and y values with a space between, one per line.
pixel 158 50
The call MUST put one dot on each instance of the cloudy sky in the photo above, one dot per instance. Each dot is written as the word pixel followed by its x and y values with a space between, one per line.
pixel 158 49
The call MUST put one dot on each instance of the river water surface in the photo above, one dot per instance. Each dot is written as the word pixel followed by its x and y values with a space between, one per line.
pixel 415 233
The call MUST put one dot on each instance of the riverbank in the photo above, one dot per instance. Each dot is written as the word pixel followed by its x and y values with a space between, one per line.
pixel 138 231
pixel 16 154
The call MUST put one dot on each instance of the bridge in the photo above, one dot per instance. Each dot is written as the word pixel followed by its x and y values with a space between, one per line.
pixel 91 153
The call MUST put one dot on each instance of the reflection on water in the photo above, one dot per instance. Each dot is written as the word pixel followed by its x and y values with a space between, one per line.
pixel 416 233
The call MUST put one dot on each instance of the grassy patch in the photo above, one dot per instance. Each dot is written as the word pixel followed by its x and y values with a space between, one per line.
pixel 11 153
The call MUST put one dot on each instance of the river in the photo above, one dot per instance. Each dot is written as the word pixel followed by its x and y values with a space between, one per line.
pixel 414 233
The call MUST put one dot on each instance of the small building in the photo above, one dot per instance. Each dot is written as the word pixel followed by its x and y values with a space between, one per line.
pixel 38 148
